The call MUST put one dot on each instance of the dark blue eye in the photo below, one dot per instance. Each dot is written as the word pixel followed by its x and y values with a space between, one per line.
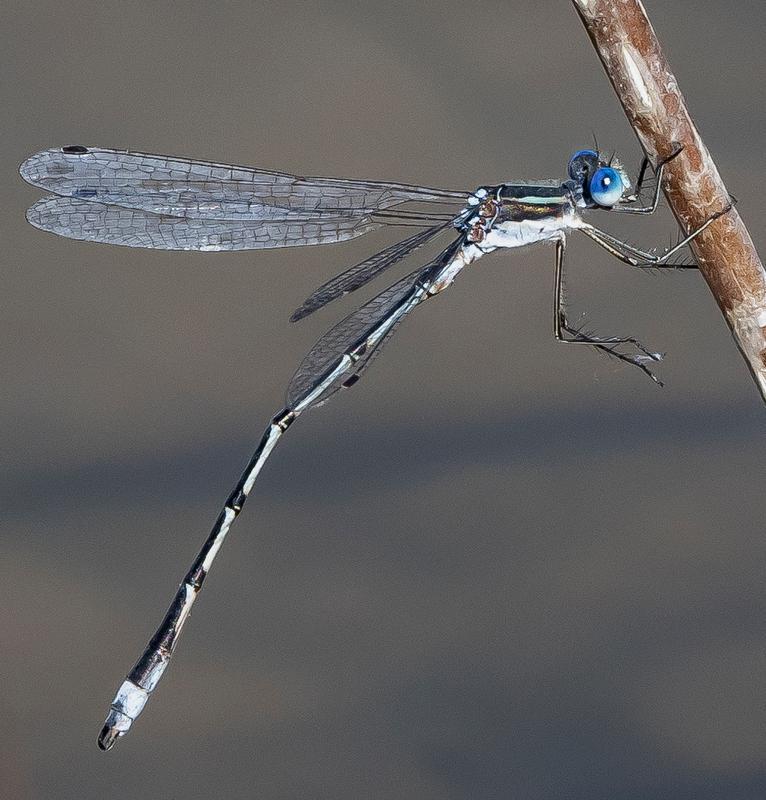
pixel 606 187
pixel 580 162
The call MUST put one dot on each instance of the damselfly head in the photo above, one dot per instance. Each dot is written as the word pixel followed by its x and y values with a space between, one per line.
pixel 603 183
pixel 583 164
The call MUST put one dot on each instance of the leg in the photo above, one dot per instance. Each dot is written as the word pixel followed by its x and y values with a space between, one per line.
pixel 643 258
pixel 565 333
pixel 626 204
pixel 628 254
pixel 642 174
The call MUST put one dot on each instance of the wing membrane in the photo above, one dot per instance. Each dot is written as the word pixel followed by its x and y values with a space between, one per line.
pixel 207 190
pixel 96 222
pixel 360 274
pixel 371 326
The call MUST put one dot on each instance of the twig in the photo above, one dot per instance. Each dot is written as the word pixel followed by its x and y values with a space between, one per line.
pixel 649 93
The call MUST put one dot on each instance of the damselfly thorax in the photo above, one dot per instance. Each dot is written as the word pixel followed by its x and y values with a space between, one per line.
pixel 514 215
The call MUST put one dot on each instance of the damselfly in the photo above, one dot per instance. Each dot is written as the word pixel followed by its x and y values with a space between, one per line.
pixel 161 202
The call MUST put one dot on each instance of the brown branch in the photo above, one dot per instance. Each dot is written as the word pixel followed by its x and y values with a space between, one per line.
pixel 649 93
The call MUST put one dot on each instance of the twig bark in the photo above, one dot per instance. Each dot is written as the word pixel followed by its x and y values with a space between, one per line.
pixel 649 93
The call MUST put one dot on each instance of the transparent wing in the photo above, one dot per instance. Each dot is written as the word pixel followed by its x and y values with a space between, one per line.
pixel 180 187
pixel 363 333
pixel 95 222
pixel 353 278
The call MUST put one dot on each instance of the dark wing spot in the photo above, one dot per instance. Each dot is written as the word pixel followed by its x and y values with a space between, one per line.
pixel 74 149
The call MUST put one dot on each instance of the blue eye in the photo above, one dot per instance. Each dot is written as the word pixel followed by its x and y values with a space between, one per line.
pixel 580 162
pixel 606 187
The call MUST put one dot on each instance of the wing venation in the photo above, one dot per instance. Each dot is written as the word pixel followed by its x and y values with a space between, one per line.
pixel 357 276
pixel 96 222
pixel 207 190
pixel 369 326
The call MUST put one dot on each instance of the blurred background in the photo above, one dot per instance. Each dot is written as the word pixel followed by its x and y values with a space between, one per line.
pixel 499 567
